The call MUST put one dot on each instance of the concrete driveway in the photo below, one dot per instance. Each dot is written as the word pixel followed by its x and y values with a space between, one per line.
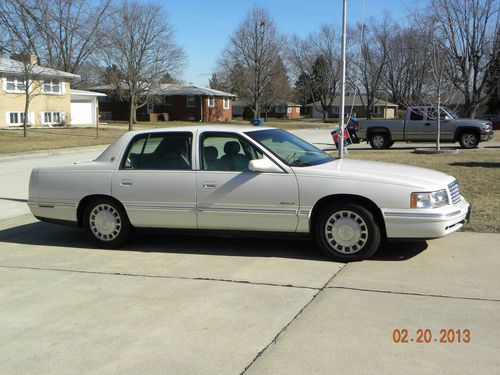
pixel 206 305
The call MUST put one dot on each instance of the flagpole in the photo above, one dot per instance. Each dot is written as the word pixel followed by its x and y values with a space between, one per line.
pixel 342 93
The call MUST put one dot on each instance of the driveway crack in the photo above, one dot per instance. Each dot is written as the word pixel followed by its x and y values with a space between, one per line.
pixel 162 277
pixel 283 330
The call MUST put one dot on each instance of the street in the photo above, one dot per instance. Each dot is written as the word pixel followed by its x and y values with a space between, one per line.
pixel 188 304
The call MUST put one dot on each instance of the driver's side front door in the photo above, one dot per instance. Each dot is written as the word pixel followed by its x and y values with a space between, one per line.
pixel 231 197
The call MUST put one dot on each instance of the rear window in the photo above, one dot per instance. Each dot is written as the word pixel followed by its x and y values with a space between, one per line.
pixel 159 151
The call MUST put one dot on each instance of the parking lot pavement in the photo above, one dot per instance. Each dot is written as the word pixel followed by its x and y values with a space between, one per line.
pixel 208 305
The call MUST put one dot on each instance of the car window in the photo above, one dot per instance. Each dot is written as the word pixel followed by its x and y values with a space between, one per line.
pixel 160 151
pixel 416 115
pixel 292 150
pixel 226 152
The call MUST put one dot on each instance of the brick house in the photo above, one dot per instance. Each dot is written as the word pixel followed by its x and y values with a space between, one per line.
pixel 287 110
pixel 171 102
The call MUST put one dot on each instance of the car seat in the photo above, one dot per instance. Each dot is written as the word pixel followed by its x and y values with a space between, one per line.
pixel 232 159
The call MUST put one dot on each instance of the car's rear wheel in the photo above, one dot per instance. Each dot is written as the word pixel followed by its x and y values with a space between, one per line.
pixel 468 139
pixel 347 232
pixel 106 223
pixel 379 141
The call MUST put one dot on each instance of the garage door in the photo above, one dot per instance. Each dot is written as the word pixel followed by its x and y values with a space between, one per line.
pixel 81 113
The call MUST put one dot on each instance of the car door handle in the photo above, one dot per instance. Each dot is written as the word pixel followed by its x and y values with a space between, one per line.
pixel 209 185
pixel 427 124
pixel 126 183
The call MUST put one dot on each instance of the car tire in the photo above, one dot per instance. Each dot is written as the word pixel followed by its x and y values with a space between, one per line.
pixel 468 139
pixel 347 232
pixel 106 223
pixel 389 144
pixel 379 141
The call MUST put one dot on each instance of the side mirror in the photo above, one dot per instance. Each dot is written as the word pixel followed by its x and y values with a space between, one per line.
pixel 263 165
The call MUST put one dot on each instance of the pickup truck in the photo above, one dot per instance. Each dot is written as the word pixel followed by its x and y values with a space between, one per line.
pixel 420 125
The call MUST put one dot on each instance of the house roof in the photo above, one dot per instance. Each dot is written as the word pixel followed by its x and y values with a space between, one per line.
pixel 189 89
pixel 171 89
pixel 359 101
pixel 86 93
pixel 10 66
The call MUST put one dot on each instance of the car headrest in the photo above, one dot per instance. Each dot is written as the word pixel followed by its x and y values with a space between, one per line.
pixel 232 148
pixel 210 153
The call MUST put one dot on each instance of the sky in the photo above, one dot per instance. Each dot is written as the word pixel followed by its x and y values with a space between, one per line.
pixel 203 27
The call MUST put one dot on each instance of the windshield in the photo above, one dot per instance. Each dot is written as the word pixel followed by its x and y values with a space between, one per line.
pixel 290 149
pixel 453 114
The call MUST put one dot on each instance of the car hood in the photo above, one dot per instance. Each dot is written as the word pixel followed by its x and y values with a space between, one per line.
pixel 386 173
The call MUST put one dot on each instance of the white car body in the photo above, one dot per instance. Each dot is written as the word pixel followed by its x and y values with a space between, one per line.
pixel 282 201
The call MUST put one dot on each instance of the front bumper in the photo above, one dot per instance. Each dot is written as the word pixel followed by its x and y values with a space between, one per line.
pixel 426 224
pixel 488 135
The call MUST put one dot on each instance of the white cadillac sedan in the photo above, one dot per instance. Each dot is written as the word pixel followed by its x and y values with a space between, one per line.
pixel 224 178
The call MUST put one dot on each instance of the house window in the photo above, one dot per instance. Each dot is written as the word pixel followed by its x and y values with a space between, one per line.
pixel 15 84
pixel 51 86
pixel 211 102
pixel 168 100
pixel 190 102
pixel 289 110
pixel 15 118
pixel 51 118
pixel 297 109
pixel 225 102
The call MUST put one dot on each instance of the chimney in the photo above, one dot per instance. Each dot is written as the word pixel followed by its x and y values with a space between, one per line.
pixel 25 58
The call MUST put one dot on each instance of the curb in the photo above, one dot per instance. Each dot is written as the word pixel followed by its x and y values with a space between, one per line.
pixel 47 153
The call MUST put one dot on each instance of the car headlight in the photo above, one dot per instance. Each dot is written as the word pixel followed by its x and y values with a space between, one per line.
pixel 429 200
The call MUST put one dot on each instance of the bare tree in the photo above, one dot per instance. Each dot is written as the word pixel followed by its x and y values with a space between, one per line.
pixel 406 68
pixel 466 30
pixel 21 38
pixel 251 56
pixel 437 87
pixel 140 47
pixel 69 30
pixel 373 42
pixel 315 62
pixel 279 91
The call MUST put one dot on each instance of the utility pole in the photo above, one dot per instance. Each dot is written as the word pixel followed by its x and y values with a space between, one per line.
pixel 342 91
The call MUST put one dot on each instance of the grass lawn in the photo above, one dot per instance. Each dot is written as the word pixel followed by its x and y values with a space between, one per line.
pixel 12 140
pixel 477 171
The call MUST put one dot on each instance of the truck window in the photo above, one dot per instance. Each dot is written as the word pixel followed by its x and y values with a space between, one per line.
pixel 416 115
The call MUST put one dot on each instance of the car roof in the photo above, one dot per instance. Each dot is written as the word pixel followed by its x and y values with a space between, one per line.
pixel 216 128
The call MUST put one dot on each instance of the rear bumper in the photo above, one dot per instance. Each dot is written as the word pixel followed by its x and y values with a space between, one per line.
pixel 426 224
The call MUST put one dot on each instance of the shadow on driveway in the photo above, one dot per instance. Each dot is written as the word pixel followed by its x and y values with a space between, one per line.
pixel 45 234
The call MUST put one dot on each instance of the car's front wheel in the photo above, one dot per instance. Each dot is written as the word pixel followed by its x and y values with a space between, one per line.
pixel 469 139
pixel 347 232
pixel 106 223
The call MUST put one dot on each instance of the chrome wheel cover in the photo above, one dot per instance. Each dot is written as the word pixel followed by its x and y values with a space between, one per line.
pixel 378 141
pixel 469 140
pixel 346 232
pixel 105 222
